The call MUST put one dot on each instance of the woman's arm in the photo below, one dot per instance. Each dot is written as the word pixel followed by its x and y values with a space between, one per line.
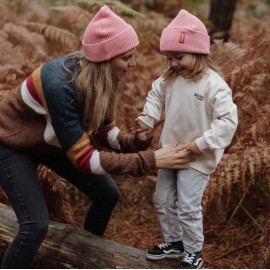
pixel 111 137
pixel 137 164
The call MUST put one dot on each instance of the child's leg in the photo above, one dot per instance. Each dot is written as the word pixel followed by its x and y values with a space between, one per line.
pixel 165 199
pixel 190 187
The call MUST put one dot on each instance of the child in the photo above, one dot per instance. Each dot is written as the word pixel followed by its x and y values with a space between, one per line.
pixel 199 110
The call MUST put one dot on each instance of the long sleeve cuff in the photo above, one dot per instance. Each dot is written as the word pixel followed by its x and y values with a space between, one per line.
pixel 201 143
pixel 135 164
pixel 147 120
pixel 129 143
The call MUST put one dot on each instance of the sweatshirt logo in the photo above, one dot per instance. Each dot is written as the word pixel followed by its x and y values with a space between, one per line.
pixel 198 96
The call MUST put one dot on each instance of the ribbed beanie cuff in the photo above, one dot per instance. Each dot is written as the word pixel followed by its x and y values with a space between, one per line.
pixel 186 33
pixel 107 36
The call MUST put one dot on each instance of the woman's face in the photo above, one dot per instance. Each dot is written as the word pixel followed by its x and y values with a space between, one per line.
pixel 122 64
pixel 182 62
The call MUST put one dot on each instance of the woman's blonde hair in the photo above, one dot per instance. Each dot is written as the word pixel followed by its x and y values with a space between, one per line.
pixel 96 90
pixel 202 63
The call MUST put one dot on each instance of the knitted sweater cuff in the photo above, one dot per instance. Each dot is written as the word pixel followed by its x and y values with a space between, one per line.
pixel 135 164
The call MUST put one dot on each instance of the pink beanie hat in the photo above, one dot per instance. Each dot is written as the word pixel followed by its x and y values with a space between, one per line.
pixel 186 33
pixel 107 35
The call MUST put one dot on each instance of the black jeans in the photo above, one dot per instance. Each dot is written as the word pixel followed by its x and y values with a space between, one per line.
pixel 18 178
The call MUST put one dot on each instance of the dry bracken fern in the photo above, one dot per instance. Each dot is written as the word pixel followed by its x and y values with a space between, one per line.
pixel 77 17
pixel 117 6
pixel 52 33
pixel 58 200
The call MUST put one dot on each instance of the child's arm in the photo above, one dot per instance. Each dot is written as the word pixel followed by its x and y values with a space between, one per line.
pixel 155 103
pixel 224 123
pixel 143 132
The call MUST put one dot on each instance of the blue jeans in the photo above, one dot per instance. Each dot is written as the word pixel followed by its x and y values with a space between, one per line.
pixel 18 178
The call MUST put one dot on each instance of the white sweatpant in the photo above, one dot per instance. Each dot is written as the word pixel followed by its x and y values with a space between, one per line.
pixel 178 199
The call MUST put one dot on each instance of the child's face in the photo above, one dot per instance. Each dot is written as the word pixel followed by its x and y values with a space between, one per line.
pixel 182 62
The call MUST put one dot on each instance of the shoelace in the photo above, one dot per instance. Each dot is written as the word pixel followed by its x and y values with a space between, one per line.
pixel 163 245
pixel 189 258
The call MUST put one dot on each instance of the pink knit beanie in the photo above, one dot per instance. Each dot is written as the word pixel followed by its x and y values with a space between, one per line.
pixel 186 33
pixel 107 35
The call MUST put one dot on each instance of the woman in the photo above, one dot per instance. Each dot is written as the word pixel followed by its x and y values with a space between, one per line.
pixel 60 116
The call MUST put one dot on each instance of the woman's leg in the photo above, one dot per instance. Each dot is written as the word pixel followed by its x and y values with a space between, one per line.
pixel 104 195
pixel 102 191
pixel 19 180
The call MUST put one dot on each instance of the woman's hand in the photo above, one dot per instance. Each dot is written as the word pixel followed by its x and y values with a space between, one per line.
pixel 143 132
pixel 174 157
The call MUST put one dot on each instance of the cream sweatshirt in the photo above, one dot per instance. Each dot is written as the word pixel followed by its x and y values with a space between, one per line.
pixel 203 111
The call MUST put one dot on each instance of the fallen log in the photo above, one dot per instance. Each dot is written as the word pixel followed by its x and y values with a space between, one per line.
pixel 68 247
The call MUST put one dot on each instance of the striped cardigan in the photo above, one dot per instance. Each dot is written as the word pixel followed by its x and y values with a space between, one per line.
pixel 43 115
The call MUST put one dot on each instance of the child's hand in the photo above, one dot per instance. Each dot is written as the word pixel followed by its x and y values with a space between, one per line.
pixel 143 132
pixel 194 148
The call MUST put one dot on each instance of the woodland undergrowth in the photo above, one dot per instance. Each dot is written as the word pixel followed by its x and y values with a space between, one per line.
pixel 236 201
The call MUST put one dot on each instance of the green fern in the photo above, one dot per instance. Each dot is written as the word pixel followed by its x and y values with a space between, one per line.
pixel 122 8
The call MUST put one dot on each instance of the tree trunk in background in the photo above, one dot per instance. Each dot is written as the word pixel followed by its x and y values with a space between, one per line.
pixel 221 16
pixel 69 247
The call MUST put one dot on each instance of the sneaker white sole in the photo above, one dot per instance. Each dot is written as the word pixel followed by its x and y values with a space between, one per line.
pixel 164 256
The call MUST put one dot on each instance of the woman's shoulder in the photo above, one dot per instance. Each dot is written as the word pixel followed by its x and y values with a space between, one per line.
pixel 54 70
pixel 56 79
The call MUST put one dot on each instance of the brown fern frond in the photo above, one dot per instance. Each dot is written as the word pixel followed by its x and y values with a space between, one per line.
pixel 149 31
pixel 116 5
pixel 6 12
pixel 19 35
pixel 259 44
pixel 56 194
pixel 77 17
pixel 230 49
pixel 242 165
pixel 260 128
pixel 56 34
pixel 227 55
pixel 16 64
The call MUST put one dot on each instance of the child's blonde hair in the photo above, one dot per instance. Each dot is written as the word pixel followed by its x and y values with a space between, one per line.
pixel 202 63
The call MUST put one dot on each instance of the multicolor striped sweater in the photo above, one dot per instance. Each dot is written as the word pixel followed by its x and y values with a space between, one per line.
pixel 43 115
